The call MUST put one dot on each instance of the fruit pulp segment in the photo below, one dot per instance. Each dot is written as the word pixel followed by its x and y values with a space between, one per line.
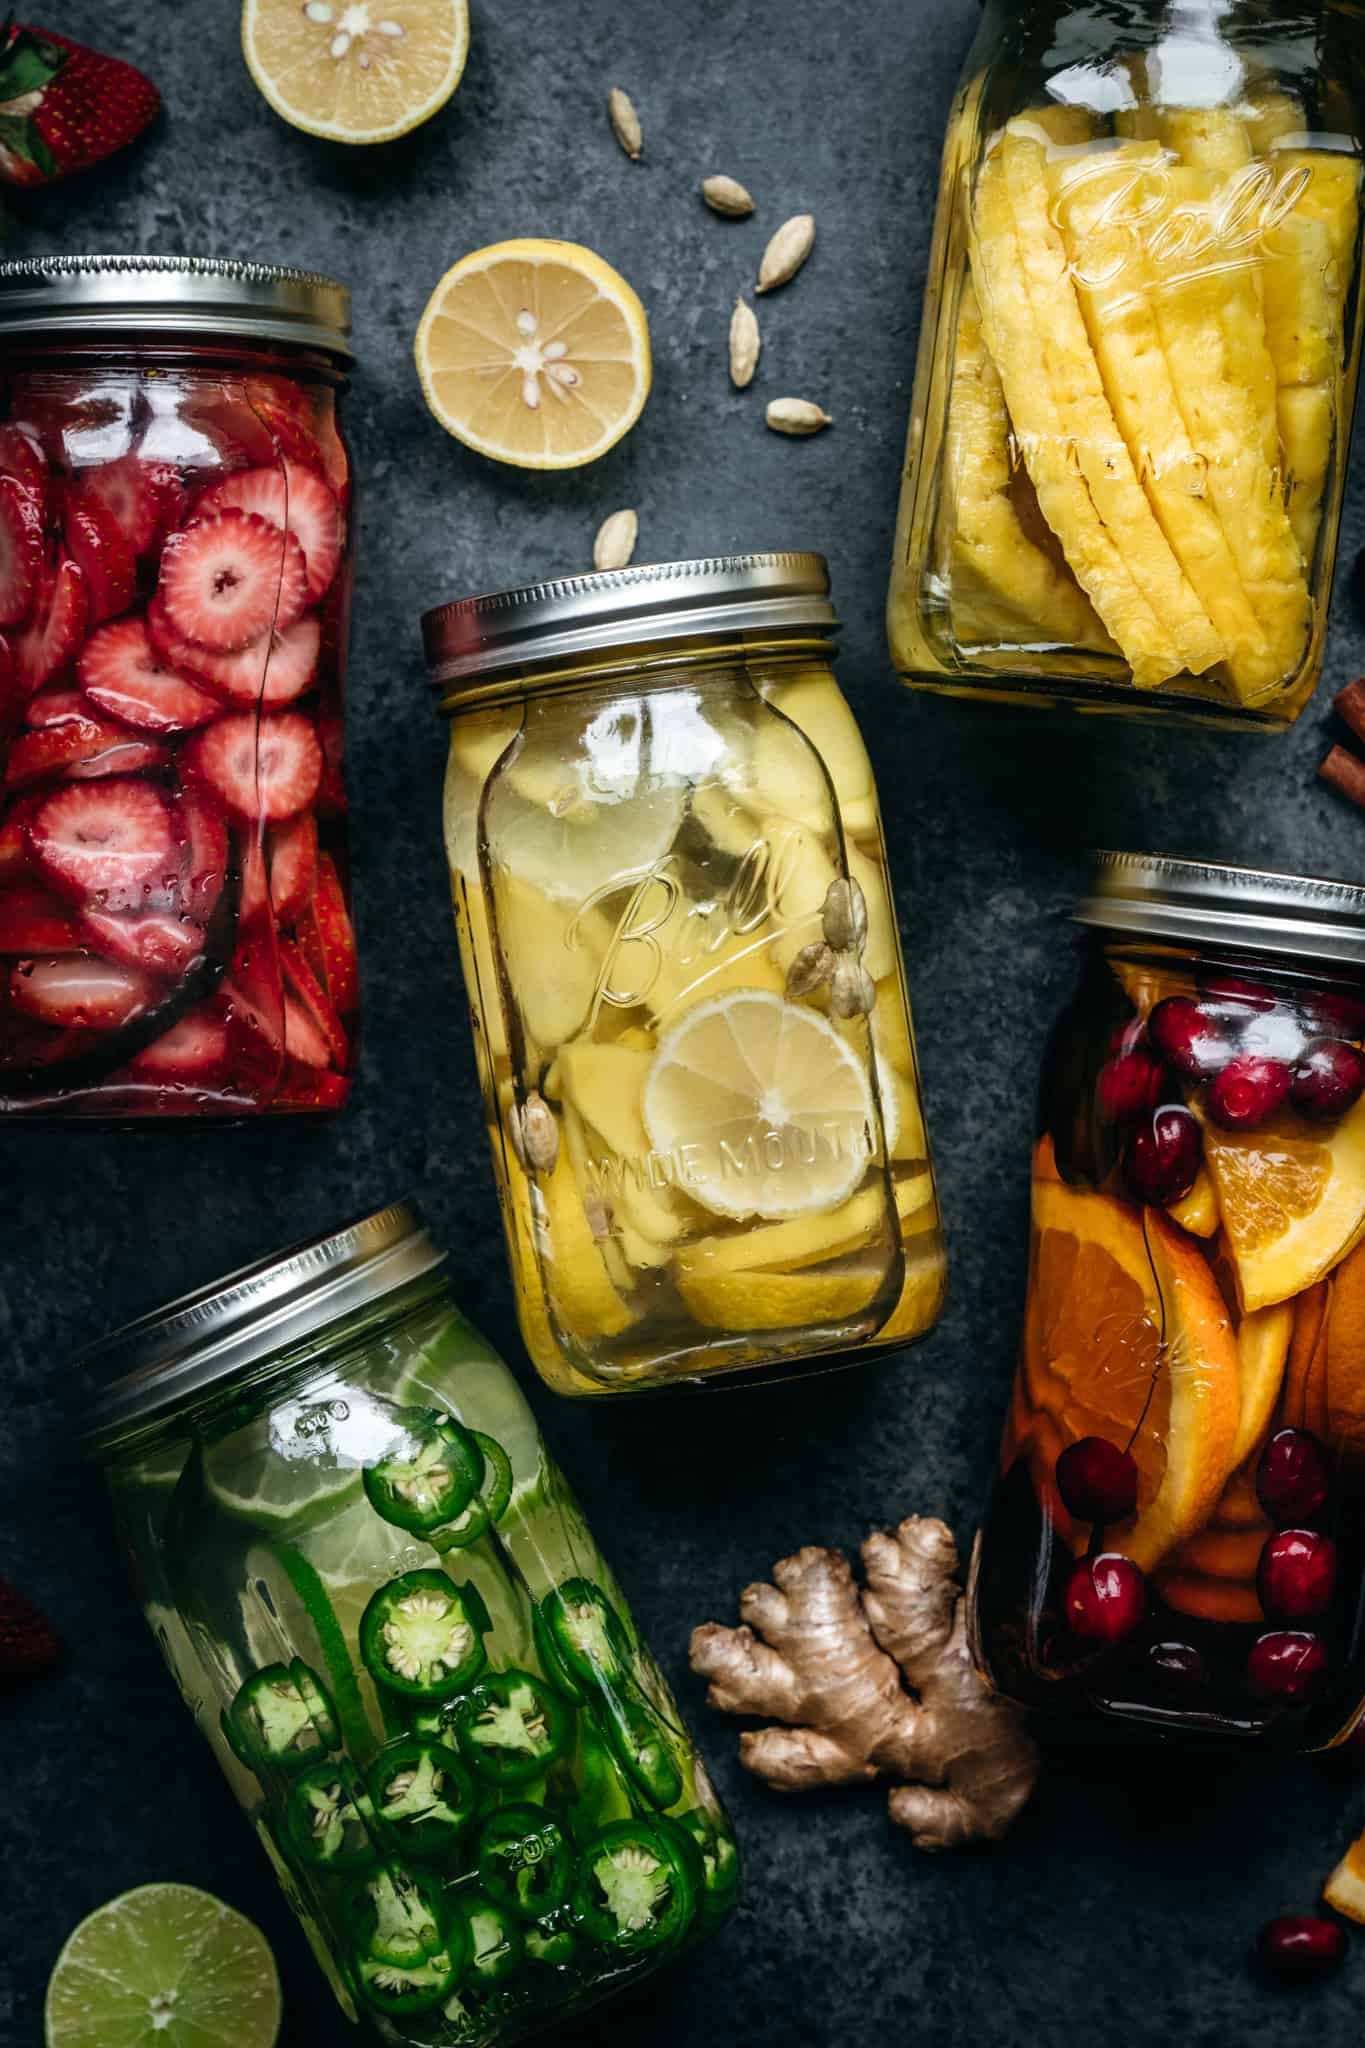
pixel 723 1170
pixel 1189 1400
pixel 175 930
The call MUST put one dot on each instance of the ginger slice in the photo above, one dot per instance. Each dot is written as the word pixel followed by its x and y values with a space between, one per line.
pixel 1051 442
pixel 873 1682
pixel 1087 423
pixel 1095 197
pixel 1003 587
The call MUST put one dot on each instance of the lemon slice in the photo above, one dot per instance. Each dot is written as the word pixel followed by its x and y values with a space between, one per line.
pixel 165 1963
pixel 766 1109
pixel 356 70
pixel 779 1301
pixel 536 353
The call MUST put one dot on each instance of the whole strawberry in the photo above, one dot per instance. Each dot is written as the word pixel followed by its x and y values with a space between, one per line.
pixel 28 1642
pixel 64 107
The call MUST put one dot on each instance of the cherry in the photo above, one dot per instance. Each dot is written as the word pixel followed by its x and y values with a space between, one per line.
pixel 1288 1664
pixel 1301 1945
pixel 1331 1009
pixel 1276 1035
pixel 1163 1156
pixel 1293 1477
pixel 1130 1085
pixel 1247 1091
pixel 1297 1575
pixel 1097 1481
pixel 1234 995
pixel 1329 1077
pixel 1177 1667
pixel 1185 1034
pixel 1106 1598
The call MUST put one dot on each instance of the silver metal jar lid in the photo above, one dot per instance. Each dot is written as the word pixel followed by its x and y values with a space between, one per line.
pixel 476 639
pixel 1194 903
pixel 155 1365
pixel 202 295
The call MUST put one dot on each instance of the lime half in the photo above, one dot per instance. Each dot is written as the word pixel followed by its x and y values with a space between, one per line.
pixel 164 1966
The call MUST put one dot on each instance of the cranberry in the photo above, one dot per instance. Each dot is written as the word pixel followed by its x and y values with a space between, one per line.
pixel 1297 1575
pixel 1131 1085
pixel 1288 1664
pixel 1329 1077
pixel 1301 1945
pixel 1163 1157
pixel 1293 1477
pixel 1185 1034
pixel 1278 1035
pixel 1332 1010
pixel 1106 1598
pixel 1234 995
pixel 1247 1091
pixel 1177 1668
pixel 1097 1481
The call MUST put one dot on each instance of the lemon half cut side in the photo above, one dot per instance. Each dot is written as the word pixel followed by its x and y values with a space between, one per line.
pixel 535 353
pixel 356 71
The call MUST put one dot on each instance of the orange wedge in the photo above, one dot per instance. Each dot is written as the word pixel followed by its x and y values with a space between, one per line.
pixel 1264 1340
pixel 1198 1210
pixel 1239 1505
pixel 1343 1402
pixel 1292 1197
pixel 1209 1599
pixel 1221 1553
pixel 1031 1433
pixel 1344 1890
pixel 1127 1336
pixel 1303 1398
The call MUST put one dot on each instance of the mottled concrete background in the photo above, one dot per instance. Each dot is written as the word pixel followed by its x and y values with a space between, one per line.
pixel 1121 1909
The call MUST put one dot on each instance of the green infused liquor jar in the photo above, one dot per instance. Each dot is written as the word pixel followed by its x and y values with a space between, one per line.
pixel 408 1652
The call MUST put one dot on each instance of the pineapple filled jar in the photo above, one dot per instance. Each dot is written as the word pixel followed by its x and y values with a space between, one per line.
pixel 1138 361
pixel 681 955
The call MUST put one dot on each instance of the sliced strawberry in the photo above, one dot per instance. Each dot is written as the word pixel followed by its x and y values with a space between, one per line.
pixel 254 896
pixel 54 705
pixel 304 1040
pixel 290 495
pixel 122 674
pixel 53 634
pixel 12 694
pixel 328 939
pixel 230 578
pixel 22 458
pixel 107 844
pixel 280 667
pixel 154 941
pixel 293 866
pixel 202 827
pixel 305 1087
pixel 31 921
pixel 21 550
pixel 82 749
pixel 96 544
pixel 14 846
pixel 307 994
pixel 145 499
pixel 267 767
pixel 91 994
pixel 194 1050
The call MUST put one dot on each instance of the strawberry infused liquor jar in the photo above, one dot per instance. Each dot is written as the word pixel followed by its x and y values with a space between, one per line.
pixel 1176 1542
pixel 175 583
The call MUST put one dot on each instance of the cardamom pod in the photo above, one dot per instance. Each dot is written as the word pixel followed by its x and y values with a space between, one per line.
pixel 844 916
pixel 727 196
pixel 598 1213
pixel 534 1133
pixel 787 251
pixel 746 344
pixel 796 416
pixel 852 991
pixel 625 123
pixel 615 542
pixel 811 968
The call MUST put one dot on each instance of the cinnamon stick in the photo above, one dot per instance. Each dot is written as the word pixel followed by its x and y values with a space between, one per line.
pixel 1350 706
pixel 1345 772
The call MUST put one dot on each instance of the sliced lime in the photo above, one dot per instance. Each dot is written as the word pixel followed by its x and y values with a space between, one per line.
pixel 298 1465
pixel 164 1965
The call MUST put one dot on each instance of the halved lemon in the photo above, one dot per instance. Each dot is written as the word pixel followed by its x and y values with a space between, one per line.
pixel 536 353
pixel 1292 1197
pixel 1128 1337
pixel 768 1110
pixel 356 70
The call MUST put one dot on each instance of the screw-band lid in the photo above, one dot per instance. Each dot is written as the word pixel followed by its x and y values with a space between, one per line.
pixel 200 295
pixel 1197 903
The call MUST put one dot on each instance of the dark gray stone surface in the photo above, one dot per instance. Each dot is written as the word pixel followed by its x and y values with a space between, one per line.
pixel 1122 1907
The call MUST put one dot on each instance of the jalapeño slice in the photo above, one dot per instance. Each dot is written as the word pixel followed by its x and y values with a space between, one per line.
pixel 496 1943
pixel 637 1886
pixel 511 1726
pixel 329 1816
pixel 424 1797
pixel 397 1989
pixel 720 1861
pixel 395 1918
pixel 525 1862
pixel 553 1941
pixel 489 1504
pixel 422 1635
pixel 430 1476
pixel 284 1716
pixel 642 1746
pixel 587 1635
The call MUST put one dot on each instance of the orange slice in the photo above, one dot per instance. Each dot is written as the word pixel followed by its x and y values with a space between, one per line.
pixel 1209 1599
pixel 1127 1336
pixel 1239 1505
pixel 1302 1401
pixel 1198 1210
pixel 1222 1553
pixel 1263 1344
pixel 1293 1201
pixel 1343 1402
pixel 1344 1890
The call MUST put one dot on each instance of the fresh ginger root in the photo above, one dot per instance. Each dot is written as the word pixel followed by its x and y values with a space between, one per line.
pixel 872 1683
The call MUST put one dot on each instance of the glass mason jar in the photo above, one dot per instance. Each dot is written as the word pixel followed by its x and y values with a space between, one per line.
pixel 407 1651
pixel 681 955
pixel 1138 360
pixel 1177 1536
pixel 175 590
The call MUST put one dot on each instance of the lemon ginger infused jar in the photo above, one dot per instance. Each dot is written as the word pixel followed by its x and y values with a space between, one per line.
pixel 683 967
pixel 1138 360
